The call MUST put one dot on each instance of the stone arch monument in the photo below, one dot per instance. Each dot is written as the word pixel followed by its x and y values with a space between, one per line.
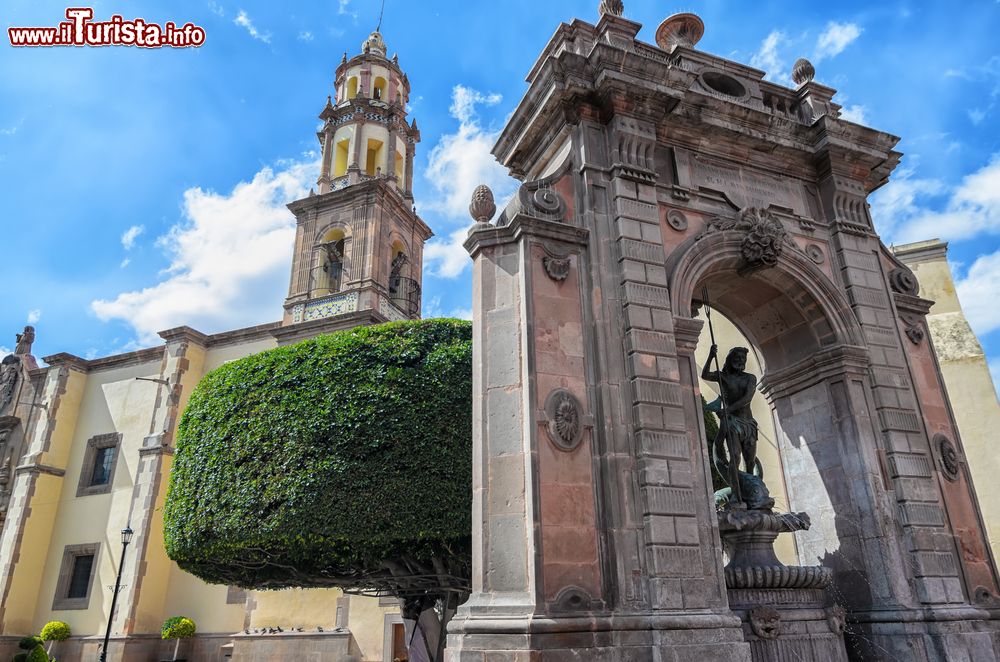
pixel 650 174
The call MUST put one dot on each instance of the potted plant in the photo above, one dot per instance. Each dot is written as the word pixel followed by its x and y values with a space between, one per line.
pixel 177 627
pixel 54 631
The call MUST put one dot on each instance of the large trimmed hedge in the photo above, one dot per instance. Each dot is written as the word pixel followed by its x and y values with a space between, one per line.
pixel 315 464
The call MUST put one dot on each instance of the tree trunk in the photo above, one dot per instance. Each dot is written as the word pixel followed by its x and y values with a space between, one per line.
pixel 425 630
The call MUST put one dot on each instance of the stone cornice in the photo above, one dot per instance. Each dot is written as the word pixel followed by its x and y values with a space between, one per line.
pixel 484 235
pixel 579 65
pixel 184 333
pixel 65 359
pixel 921 251
pixel 36 468
pixel 377 190
pixel 908 303
pixel 826 363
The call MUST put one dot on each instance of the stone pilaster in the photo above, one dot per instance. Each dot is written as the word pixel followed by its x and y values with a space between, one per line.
pixel 37 479
pixel 180 371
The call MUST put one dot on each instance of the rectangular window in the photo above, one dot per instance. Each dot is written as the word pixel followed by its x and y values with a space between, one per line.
pixel 98 472
pixel 76 577
pixel 104 459
pixel 79 580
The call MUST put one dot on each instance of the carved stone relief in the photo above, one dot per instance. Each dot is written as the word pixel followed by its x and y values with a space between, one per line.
pixel 913 328
pixel 948 456
pixel 903 281
pixel 565 419
pixel 557 268
pixel 10 373
pixel 573 598
pixel 765 622
pixel 764 236
pixel 677 220
pixel 815 253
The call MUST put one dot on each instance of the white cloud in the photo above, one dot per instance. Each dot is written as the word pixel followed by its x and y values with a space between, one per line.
pixel 343 9
pixel 34 315
pixel 229 259
pixel 11 130
pixel 305 35
pixel 462 160
pixel 244 21
pixel 978 290
pixel 461 313
pixel 976 115
pixel 458 163
pixel 216 8
pixel 130 235
pixel 855 113
pixel 4 351
pixel 464 100
pixel 893 205
pixel 449 258
pixel 127 261
pixel 835 39
pixel 767 59
pixel 973 208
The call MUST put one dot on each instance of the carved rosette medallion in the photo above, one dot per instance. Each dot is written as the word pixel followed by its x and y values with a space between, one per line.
pixel 903 281
pixel 677 220
pixel 557 268
pixel 765 622
pixel 815 253
pixel 948 456
pixel 565 419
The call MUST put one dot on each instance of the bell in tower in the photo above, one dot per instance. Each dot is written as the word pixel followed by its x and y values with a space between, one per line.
pixel 359 242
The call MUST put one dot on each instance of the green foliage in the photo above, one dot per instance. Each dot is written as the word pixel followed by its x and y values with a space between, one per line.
pixel 313 464
pixel 55 631
pixel 28 643
pixel 20 657
pixel 177 627
pixel 37 654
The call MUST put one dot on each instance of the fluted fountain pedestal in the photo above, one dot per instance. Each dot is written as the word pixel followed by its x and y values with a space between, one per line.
pixel 784 609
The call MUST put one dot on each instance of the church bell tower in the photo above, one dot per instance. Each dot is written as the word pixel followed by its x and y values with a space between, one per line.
pixel 359 242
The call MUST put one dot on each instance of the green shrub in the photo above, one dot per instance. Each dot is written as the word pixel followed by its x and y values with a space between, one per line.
pixel 177 627
pixel 312 464
pixel 37 654
pixel 55 631
pixel 20 657
pixel 28 643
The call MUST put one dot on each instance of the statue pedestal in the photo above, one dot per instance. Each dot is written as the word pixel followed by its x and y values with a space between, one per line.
pixel 783 608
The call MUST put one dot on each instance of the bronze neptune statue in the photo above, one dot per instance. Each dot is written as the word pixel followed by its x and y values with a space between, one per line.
pixel 737 427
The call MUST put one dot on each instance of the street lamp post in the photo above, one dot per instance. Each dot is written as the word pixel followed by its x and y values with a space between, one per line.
pixel 126 539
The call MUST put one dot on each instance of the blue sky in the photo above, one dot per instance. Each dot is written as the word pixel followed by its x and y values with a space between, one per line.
pixel 144 189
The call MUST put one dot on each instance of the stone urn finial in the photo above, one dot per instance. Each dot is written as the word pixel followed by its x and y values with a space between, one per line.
pixel 684 29
pixel 616 7
pixel 803 72
pixel 482 206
